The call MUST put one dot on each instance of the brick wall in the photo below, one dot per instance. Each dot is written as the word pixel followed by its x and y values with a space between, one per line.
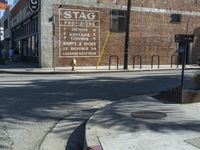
pixel 150 33
pixel 21 4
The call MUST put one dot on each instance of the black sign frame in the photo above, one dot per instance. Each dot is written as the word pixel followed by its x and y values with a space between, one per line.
pixel 180 38
pixel 34 5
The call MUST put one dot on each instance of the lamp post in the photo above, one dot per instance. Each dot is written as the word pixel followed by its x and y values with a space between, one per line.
pixel 127 35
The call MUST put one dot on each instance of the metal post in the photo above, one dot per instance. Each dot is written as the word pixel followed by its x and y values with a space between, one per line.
pixel 54 68
pixel 127 35
pixel 184 57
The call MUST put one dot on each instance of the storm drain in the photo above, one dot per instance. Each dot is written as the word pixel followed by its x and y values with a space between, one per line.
pixel 148 115
pixel 194 142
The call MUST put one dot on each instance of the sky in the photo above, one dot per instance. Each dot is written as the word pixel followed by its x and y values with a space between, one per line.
pixel 10 1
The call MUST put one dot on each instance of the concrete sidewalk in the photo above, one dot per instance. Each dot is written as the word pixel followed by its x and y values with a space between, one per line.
pixel 65 134
pixel 143 122
pixel 11 67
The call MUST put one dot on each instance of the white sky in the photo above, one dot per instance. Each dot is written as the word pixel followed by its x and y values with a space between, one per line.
pixel 10 1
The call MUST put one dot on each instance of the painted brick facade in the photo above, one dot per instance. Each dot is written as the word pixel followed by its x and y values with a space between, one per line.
pixel 151 33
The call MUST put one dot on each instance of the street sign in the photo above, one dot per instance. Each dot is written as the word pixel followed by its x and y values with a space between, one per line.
pixel 51 19
pixel 33 5
pixel 181 38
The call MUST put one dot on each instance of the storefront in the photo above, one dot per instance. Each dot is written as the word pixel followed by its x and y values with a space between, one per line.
pixel 25 39
pixel 25 32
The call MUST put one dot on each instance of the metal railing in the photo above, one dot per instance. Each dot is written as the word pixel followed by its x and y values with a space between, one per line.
pixel 140 59
pixel 172 57
pixel 152 60
pixel 110 59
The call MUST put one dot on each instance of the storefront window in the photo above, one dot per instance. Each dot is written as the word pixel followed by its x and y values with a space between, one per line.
pixel 33 46
pixel 36 45
pixel 24 47
pixel 25 36
pixel 29 46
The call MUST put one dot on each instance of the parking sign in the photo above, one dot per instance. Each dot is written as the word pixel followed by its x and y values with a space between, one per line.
pixel 33 5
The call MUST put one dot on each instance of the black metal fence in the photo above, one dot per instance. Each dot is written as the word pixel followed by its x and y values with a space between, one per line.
pixel 110 60
pixel 176 58
pixel 158 60
pixel 140 60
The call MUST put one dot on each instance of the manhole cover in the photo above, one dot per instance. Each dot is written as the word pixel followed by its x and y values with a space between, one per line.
pixel 148 115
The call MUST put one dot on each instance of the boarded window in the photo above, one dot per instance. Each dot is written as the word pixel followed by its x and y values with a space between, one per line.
pixel 118 21
pixel 175 18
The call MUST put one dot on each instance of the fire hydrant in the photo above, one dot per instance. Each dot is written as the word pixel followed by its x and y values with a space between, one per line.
pixel 73 64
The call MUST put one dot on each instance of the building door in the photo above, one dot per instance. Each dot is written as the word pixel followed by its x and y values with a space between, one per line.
pixel 24 49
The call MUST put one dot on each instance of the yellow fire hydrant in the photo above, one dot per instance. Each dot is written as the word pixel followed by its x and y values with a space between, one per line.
pixel 73 64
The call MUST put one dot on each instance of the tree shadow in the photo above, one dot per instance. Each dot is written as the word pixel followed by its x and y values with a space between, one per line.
pixel 119 118
pixel 50 100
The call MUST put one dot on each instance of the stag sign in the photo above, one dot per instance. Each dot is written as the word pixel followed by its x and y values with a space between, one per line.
pixel 33 5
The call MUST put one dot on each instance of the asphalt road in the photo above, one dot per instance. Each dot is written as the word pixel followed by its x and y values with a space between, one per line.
pixel 31 105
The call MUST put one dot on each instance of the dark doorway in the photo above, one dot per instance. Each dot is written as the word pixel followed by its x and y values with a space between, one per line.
pixel 184 45
pixel 24 50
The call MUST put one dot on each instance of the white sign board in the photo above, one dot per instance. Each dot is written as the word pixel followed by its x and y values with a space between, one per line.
pixel 79 33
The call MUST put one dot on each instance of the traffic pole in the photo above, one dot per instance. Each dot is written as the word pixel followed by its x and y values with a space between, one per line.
pixel 127 35
pixel 184 56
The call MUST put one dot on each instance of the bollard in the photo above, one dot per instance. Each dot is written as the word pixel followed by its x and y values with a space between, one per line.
pixel 134 58
pixel 73 64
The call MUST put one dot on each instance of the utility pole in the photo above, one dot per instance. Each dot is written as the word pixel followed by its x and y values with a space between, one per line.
pixel 127 35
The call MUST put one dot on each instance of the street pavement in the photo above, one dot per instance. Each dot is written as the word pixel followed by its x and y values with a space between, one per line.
pixel 31 106
pixel 143 122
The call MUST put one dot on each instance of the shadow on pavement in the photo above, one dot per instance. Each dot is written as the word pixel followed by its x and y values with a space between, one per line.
pixel 45 100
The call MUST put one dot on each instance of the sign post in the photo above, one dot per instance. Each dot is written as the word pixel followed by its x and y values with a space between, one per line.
pixel 127 35
pixel 33 5
pixel 186 39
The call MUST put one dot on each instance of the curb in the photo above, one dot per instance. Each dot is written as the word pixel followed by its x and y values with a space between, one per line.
pixel 89 72
pixel 69 132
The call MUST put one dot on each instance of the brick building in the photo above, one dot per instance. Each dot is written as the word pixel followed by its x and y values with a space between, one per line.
pixel 81 28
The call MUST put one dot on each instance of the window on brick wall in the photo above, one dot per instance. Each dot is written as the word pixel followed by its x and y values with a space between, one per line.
pixel 118 21
pixel 176 18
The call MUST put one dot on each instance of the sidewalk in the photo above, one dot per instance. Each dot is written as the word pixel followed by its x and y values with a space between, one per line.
pixel 143 122
pixel 11 67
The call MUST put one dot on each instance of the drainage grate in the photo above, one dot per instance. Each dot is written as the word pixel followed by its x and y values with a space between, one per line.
pixel 148 115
